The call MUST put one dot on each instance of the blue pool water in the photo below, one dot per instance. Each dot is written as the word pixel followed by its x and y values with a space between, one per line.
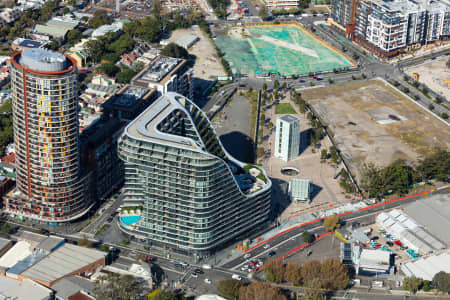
pixel 128 220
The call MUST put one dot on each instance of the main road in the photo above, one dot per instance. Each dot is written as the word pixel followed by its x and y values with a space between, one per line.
pixel 289 240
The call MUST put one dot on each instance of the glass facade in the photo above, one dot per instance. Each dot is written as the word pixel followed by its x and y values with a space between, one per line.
pixel 190 194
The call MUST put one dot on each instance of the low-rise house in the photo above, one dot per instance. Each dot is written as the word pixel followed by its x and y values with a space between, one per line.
pixel 20 44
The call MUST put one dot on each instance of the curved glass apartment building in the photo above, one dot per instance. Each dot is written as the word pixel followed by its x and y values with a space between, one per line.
pixel 45 106
pixel 194 195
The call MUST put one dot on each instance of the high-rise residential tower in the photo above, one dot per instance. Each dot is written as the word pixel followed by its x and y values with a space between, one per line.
pixel 193 195
pixel 45 104
pixel 287 137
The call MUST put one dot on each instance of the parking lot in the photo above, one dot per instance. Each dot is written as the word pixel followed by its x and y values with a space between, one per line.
pixel 380 239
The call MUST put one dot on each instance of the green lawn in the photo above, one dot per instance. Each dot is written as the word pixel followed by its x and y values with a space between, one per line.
pixel 284 108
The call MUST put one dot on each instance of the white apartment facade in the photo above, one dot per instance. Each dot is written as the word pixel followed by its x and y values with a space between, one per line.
pixel 287 137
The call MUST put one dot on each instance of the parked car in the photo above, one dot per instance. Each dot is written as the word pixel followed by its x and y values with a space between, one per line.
pixel 266 246
pixel 208 281
pixel 237 277
pixel 195 275
pixel 198 271
pixel 271 253
pixel 248 255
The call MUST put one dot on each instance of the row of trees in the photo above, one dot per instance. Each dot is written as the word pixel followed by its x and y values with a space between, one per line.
pixel 220 7
pixel 233 289
pixel 331 274
pixel 441 281
pixel 399 176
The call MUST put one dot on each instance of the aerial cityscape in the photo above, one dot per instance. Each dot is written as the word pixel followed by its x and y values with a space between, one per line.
pixel 224 149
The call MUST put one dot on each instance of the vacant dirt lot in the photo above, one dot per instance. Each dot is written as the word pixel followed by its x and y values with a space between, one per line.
pixel 372 121
pixel 207 65
pixel 435 75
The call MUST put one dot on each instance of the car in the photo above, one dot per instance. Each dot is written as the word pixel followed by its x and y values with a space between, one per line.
pixel 271 253
pixel 110 219
pixel 248 255
pixel 389 243
pixel 208 281
pixel 198 271
pixel 237 277
pixel 314 77
pixel 266 246
pixel 177 266
pixel 195 275
pixel 148 258
pixel 206 267
pixel 309 253
pixel 243 268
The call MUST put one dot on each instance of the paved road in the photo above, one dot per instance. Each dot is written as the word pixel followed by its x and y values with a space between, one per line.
pixel 288 244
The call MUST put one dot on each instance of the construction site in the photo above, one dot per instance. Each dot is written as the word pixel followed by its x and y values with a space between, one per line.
pixel 435 74
pixel 285 49
pixel 374 122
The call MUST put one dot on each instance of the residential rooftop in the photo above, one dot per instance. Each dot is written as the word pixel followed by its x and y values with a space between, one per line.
pixel 289 119
pixel 159 70
pixel 129 95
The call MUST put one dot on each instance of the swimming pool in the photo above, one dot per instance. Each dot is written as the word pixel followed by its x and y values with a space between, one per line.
pixel 128 220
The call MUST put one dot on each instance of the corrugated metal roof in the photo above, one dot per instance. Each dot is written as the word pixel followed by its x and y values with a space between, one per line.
pixel 53 31
pixel 427 267
pixel 65 260
pixel 62 24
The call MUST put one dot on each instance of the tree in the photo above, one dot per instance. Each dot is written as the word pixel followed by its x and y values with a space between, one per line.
pixel 307 237
pixel 109 69
pixel 284 86
pixel 125 76
pixel 331 223
pixel 426 286
pixel 274 271
pixel 117 287
pixel 156 10
pixel 448 63
pixel 229 288
pixel 100 18
pixel 430 106
pixel 173 50
pixel 124 44
pixel 74 36
pixel 412 284
pixel 323 154
pixel 309 271
pixel 53 45
pixel 84 242
pixel 5 228
pixel 109 58
pixel 444 116
pixel 264 87
pixel 334 155
pixel 333 274
pixel 292 273
pixel 276 84
pixel 260 291
pixel 441 281
pixel 263 12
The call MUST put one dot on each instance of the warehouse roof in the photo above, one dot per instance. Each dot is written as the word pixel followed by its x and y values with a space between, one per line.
pixel 374 259
pixel 22 290
pixel 53 31
pixel 17 252
pixel 62 24
pixel 4 243
pixel 65 260
pixel 427 267
pixel 71 285
pixel 433 215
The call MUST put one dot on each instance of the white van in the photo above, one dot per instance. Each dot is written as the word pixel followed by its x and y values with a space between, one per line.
pixel 207 267
pixel 237 277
